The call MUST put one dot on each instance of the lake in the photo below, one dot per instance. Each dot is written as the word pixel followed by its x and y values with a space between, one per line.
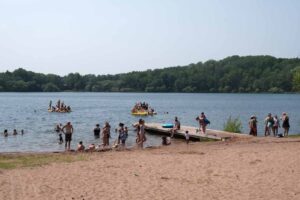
pixel 28 111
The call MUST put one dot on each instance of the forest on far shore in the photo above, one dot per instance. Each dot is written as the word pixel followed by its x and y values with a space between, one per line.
pixel 235 74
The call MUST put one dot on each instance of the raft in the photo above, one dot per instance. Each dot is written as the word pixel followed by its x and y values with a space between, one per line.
pixel 49 110
pixel 143 113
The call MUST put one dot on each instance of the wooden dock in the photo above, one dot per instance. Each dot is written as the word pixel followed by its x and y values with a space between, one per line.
pixel 194 132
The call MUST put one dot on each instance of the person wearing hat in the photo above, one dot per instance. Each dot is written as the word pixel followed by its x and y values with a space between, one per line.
pixel 285 123
pixel 253 125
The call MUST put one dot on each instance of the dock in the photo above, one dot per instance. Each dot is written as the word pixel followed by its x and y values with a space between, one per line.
pixel 195 134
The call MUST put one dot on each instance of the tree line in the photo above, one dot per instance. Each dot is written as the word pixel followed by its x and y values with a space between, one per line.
pixel 233 74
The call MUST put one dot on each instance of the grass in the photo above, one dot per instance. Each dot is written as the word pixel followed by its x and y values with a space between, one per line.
pixel 12 161
pixel 233 125
pixel 294 136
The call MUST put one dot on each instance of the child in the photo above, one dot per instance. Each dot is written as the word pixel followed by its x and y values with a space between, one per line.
pixel 61 140
pixel 80 147
pixel 123 137
pixel 187 137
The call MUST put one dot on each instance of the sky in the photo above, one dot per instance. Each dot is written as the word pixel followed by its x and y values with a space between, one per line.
pixel 118 36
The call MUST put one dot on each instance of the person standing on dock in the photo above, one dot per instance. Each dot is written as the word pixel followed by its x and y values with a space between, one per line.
pixel 68 131
pixel 176 127
pixel 202 122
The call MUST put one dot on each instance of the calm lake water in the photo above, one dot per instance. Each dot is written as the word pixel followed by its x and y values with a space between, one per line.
pixel 28 111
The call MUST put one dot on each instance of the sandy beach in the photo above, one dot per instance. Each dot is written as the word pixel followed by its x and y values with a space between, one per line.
pixel 257 168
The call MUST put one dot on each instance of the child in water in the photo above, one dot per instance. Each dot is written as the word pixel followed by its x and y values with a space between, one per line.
pixel 61 140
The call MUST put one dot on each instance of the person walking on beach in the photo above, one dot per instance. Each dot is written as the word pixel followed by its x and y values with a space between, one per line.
pixel 253 126
pixel 68 131
pixel 202 122
pixel 285 123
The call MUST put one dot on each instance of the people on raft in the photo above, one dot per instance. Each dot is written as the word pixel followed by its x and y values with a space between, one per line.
pixel 142 107
pixel 60 107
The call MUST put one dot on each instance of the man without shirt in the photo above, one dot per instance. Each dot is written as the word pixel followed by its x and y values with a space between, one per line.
pixel 68 131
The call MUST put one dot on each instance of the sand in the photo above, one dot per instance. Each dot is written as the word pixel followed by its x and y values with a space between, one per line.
pixel 262 168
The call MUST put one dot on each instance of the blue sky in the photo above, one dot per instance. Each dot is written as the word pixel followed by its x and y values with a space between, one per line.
pixel 110 36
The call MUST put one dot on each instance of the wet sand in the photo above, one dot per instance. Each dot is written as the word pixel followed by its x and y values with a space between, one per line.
pixel 258 168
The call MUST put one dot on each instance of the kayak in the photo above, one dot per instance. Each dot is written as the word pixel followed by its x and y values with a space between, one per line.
pixel 167 125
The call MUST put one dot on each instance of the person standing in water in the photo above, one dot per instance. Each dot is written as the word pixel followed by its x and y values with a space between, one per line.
pixel 68 131
pixel 106 134
pixel 275 126
pixel 285 123
pixel 253 126
pixel 142 136
pixel 269 122
pixel 97 131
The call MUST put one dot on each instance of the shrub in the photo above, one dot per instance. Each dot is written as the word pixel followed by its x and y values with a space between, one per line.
pixel 233 125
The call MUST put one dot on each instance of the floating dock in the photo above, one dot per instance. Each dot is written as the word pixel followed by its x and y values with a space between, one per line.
pixel 195 134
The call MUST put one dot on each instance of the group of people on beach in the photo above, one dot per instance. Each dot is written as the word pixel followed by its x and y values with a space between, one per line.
pixel 59 107
pixel 271 124
pixel 105 134
pixel 15 132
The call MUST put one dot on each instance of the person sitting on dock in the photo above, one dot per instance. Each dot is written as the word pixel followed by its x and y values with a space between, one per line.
pixel 176 127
